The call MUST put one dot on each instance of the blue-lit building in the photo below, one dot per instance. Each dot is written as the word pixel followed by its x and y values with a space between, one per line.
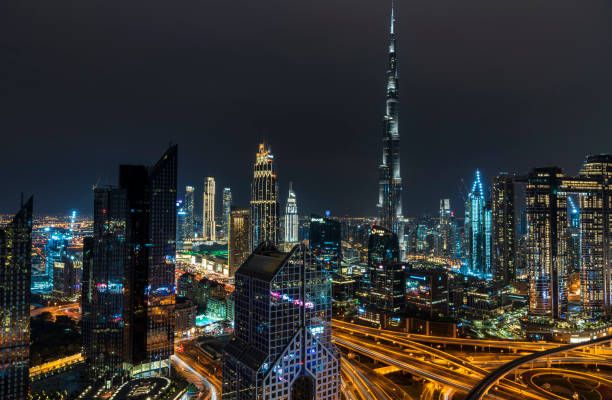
pixel 478 231
pixel 326 241
pixel 58 241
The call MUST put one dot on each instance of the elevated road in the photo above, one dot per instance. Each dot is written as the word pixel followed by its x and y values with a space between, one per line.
pixel 55 365
pixel 460 379
pixel 482 343
pixel 480 390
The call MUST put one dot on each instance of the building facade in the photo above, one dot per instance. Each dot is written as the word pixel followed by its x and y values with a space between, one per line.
pixel 387 289
pixel 291 217
pixel 227 209
pixel 238 245
pixel 390 181
pixel 503 199
pixel 477 225
pixel 264 200
pixel 128 273
pixel 281 347
pixel 326 241
pixel 15 260
pixel 208 214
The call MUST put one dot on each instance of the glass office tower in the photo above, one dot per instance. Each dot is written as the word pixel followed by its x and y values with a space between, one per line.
pixel 503 199
pixel 227 209
pixel 209 231
pixel 475 229
pixel 128 273
pixel 291 217
pixel 15 260
pixel 326 241
pixel 238 244
pixel 264 200
pixel 281 347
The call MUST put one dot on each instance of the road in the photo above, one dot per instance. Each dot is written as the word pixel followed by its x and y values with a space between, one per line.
pixel 459 378
pixel 214 392
pixel 70 310
pixel 484 386
pixel 55 365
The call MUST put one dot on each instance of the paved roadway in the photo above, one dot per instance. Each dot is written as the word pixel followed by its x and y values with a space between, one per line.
pixel 214 393
pixel 71 310
pixel 483 387
pixel 56 364
pixel 460 379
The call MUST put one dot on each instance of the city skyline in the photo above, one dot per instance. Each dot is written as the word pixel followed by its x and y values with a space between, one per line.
pixel 465 80
pixel 481 267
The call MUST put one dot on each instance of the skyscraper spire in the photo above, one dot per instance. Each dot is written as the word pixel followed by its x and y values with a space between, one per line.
pixel 390 181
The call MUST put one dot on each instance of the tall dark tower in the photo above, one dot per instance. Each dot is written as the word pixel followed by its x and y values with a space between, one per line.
pixel 390 184
pixel 128 273
pixel 15 253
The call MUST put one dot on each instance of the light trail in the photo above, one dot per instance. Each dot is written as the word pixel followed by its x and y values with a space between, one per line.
pixel 480 390
pixel 373 391
pixel 211 389
pixel 484 343
pixel 431 371
pixel 56 364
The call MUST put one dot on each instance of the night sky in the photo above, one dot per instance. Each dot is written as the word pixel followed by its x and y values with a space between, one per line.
pixel 500 85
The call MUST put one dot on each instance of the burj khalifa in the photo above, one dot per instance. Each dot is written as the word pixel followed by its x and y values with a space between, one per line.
pixel 390 183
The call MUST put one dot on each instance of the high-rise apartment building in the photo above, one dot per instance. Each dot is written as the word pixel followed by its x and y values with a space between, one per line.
pixel 181 218
pixel 281 347
pixel 291 217
pixel 476 229
pixel 447 230
pixel 64 278
pixel 128 273
pixel 551 220
pixel 390 181
pixel 264 200
pixel 188 207
pixel 595 219
pixel 227 209
pixel 546 208
pixel 326 241
pixel 503 199
pixel 58 241
pixel 238 244
pixel 15 260
pixel 208 214
pixel 387 289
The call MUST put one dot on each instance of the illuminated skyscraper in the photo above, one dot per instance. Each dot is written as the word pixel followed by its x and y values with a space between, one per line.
pixel 128 273
pixel 264 200
pixel 546 245
pixel 596 238
pixel 227 209
pixel 475 229
pixel 448 246
pixel 181 217
pixel 291 217
pixel 188 206
pixel 238 244
pixel 208 215
pixel 387 282
pixel 326 241
pixel 281 347
pixel 15 260
pixel 390 181
pixel 503 200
